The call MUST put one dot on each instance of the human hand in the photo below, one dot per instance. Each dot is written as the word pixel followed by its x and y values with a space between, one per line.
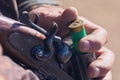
pixel 94 42
pixel 8 25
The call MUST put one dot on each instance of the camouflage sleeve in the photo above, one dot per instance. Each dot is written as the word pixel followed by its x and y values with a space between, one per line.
pixel 28 4
pixel 9 70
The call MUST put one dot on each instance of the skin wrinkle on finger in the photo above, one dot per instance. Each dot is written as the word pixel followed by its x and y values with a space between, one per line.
pixel 106 54
pixel 101 63
pixel 93 44
pixel 102 35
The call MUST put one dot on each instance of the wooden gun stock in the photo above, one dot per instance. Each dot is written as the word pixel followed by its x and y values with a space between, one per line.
pixel 19 45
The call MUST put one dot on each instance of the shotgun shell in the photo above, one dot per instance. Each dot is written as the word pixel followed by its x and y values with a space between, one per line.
pixel 77 31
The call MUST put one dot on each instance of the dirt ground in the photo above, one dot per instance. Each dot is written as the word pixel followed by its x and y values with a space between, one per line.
pixel 107 14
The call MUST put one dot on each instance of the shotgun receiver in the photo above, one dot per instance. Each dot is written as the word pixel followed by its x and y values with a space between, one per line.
pixel 49 59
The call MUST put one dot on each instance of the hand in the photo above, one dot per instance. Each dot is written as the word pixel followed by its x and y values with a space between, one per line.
pixel 8 25
pixel 95 40
pixel 48 14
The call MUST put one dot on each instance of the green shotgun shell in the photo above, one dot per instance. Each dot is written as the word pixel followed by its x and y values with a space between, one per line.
pixel 77 31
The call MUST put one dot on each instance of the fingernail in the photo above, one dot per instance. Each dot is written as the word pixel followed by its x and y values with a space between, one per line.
pixel 40 36
pixel 94 73
pixel 85 45
pixel 43 37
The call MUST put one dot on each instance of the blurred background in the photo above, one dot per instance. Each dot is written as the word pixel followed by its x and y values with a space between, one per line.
pixel 107 14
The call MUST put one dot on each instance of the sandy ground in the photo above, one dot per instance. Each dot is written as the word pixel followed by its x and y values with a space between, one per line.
pixel 107 14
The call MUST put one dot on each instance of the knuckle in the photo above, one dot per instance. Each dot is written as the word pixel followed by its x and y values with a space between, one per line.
pixel 95 44
pixel 104 69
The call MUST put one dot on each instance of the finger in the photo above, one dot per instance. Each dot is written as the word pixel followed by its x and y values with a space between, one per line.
pixel 69 15
pixel 108 76
pixel 96 38
pixel 32 32
pixel 102 65
pixel 1 50
pixel 47 15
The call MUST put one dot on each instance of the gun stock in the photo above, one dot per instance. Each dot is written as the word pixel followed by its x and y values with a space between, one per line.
pixel 13 41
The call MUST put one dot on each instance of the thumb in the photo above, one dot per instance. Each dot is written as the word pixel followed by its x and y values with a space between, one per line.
pixel 68 16
pixel 90 43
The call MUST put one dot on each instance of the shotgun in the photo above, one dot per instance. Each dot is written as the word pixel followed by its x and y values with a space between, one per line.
pixel 49 59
